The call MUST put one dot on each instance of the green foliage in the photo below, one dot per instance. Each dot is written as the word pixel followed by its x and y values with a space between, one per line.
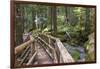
pixel 75 55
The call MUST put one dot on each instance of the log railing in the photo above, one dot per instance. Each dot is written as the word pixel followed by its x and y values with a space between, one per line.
pixel 52 46
pixel 60 49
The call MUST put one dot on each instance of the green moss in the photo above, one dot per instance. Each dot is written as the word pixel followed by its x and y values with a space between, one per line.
pixel 76 55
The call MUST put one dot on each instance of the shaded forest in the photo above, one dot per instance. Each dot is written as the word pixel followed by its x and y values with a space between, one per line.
pixel 74 26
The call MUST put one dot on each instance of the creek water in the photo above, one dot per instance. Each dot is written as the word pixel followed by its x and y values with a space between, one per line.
pixel 79 49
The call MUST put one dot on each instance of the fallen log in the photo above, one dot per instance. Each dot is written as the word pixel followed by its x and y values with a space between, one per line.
pixel 20 48
pixel 24 52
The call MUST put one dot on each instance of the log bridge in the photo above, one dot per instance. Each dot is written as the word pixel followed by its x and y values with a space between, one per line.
pixel 42 49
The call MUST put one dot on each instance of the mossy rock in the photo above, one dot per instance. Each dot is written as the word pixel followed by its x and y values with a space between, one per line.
pixel 90 48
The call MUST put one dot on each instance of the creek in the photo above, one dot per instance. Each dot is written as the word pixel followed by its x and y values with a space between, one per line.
pixel 80 52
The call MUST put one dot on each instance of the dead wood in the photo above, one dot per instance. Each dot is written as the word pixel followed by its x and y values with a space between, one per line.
pixel 20 48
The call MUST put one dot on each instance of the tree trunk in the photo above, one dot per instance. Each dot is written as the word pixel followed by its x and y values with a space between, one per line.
pixel 53 20
pixel 33 18
pixel 87 21
pixel 66 15
pixel 19 25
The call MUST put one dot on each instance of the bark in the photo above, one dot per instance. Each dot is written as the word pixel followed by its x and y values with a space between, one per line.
pixel 19 24
pixel 33 18
pixel 53 19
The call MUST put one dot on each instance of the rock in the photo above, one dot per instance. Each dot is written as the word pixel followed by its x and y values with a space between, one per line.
pixel 90 48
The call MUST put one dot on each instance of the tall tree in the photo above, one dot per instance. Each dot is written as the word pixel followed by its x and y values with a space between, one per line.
pixel 69 15
pixel 66 15
pixel 33 17
pixel 53 19
pixel 87 21
pixel 19 24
